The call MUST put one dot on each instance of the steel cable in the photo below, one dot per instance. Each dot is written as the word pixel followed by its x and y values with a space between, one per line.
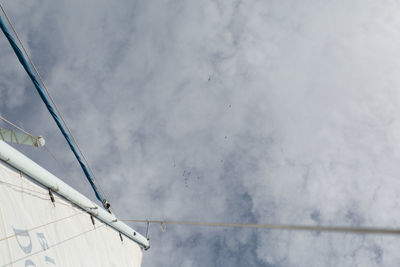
pixel 316 228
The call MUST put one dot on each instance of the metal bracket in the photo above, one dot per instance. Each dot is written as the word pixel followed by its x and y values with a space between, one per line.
pixel 147 230
pixel 163 226
pixel 93 221
pixel 52 197
pixel 106 205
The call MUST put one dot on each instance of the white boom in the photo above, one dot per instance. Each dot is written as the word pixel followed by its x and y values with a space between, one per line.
pixel 45 178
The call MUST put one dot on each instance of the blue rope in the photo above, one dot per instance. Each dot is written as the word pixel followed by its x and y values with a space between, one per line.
pixel 39 88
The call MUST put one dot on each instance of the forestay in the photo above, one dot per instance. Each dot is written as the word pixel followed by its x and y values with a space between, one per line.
pixel 34 231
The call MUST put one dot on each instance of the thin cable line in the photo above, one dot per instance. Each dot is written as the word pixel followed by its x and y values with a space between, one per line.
pixel 31 191
pixel 23 188
pixel 338 229
pixel 12 124
pixel 42 225
pixel 56 244
pixel 51 99
pixel 58 162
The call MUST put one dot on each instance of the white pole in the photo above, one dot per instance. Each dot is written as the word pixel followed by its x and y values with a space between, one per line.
pixel 45 178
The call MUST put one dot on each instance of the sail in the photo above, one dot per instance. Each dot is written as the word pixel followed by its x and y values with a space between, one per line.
pixel 35 231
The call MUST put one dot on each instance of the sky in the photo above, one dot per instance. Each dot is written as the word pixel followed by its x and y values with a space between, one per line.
pixel 228 111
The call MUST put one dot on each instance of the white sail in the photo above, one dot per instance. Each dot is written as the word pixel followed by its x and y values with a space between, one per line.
pixel 34 231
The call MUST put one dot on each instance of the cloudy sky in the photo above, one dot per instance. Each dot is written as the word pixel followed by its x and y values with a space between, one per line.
pixel 230 111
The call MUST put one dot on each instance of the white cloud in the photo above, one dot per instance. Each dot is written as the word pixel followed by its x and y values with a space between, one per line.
pixel 228 111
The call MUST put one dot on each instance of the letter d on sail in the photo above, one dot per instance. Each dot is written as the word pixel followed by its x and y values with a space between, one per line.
pixel 24 240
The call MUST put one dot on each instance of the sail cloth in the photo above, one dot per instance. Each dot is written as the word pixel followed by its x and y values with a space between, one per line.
pixel 34 231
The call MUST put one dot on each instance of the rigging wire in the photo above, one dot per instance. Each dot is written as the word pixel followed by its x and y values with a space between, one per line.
pixel 14 125
pixel 52 100
pixel 58 162
pixel 50 108
pixel 316 228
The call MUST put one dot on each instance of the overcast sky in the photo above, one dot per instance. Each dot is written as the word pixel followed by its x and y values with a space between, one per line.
pixel 230 111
